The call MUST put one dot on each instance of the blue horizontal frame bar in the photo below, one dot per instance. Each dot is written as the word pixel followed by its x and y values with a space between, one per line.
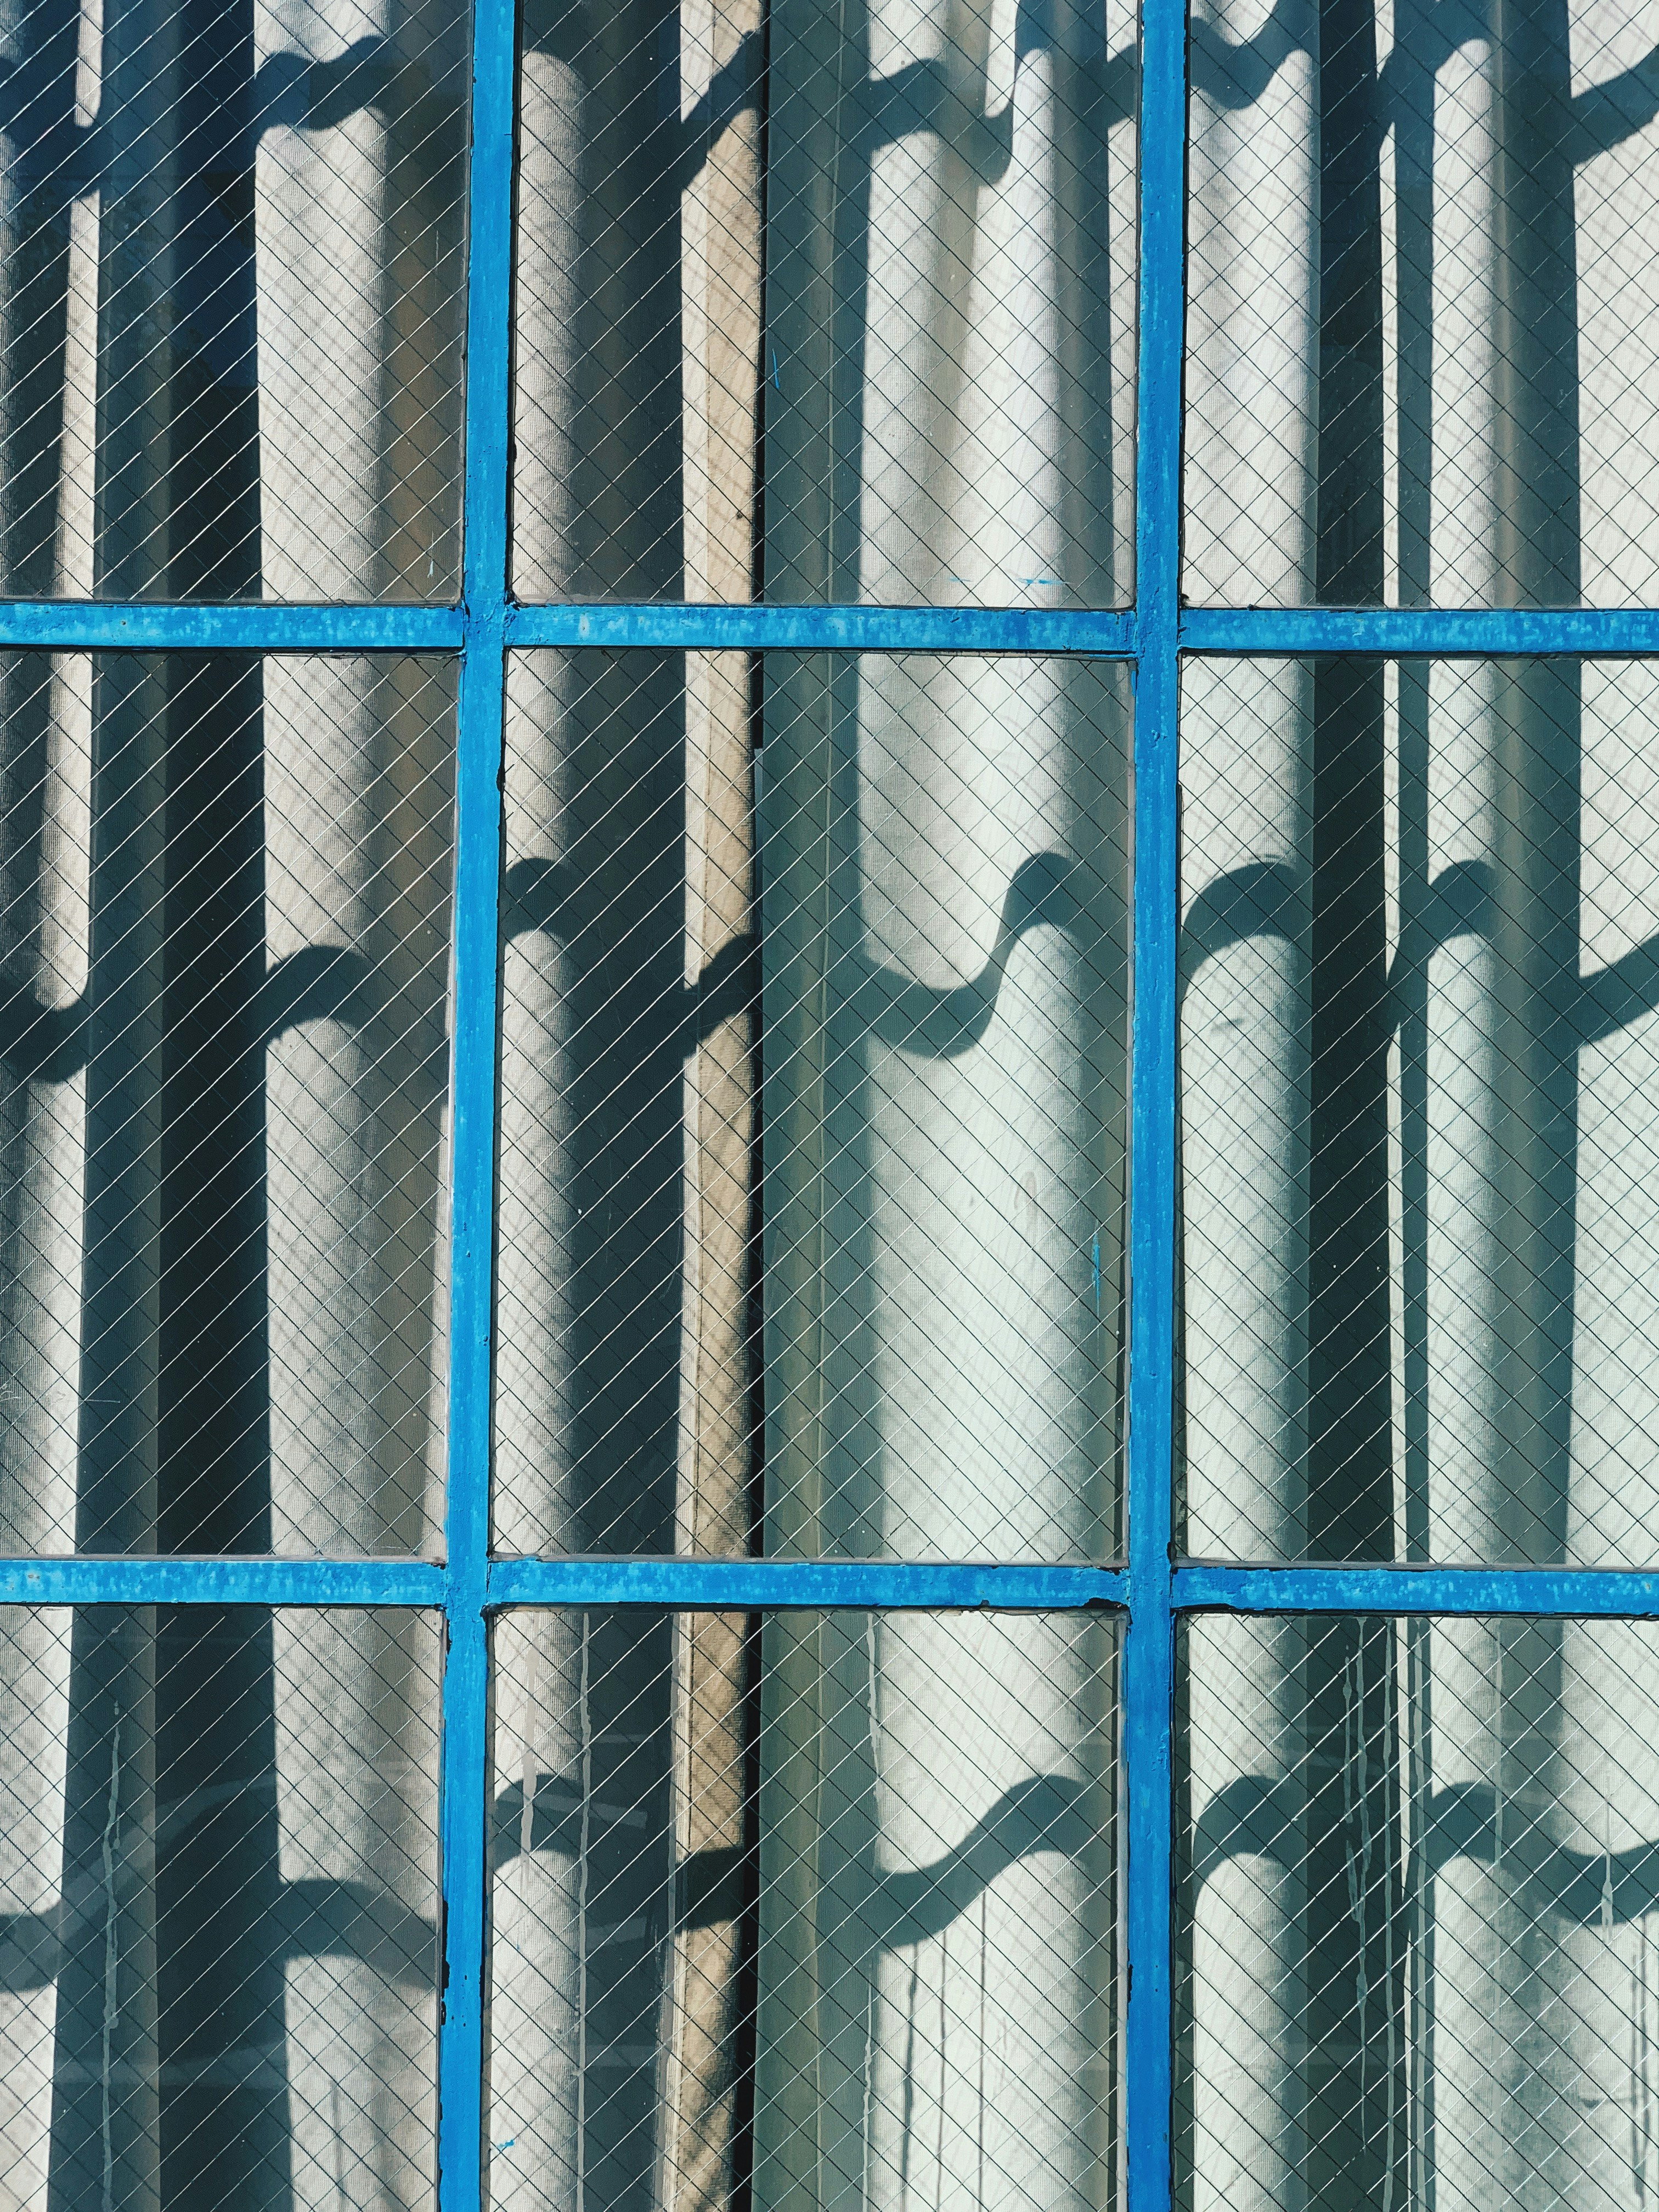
pixel 252 626
pixel 1436 633
pixel 133 1579
pixel 674 627
pixel 751 1585
pixel 241 626
pixel 747 1585
pixel 1600 1593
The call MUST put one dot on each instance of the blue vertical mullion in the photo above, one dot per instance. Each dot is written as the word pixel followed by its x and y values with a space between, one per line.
pixel 463 1818
pixel 1148 1707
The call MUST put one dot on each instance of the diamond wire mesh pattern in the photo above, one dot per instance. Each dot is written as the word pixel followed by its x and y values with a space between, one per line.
pixel 1421 360
pixel 850 1286
pixel 1417 1033
pixel 789 1284
pixel 230 341
pixel 822 305
pixel 820 1905
pixel 218 1836
pixel 225 908
pixel 1417 1883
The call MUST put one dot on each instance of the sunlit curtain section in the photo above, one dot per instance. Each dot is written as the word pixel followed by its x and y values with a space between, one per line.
pixel 944 863
pixel 230 341
pixel 947 406
pixel 1417 1897
pixel 1419 350
pixel 945 980
pixel 1418 996
pixel 359 184
pixel 905 1856
pixel 623 1394
pixel 1415 1014
pixel 937 1912
pixel 949 376
pixel 945 377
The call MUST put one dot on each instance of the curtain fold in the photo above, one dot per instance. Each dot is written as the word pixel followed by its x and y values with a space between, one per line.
pixel 942 855
pixel 1402 353
pixel 231 368
pixel 994 433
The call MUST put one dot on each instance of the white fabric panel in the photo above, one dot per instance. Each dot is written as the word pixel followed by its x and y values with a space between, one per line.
pixel 1515 445
pixel 539 1948
pixel 356 1789
pixel 941 855
pixel 965 2051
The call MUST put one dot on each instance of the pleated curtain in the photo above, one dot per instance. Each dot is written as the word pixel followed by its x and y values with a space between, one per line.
pixel 230 329
pixel 943 384
pixel 1416 1046
pixel 944 861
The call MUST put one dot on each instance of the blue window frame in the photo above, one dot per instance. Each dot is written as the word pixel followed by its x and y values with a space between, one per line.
pixel 1152 1588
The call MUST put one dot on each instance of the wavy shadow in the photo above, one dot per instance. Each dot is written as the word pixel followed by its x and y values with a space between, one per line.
pixel 920 1017
pixel 556 1817
pixel 1431 39
pixel 940 1023
pixel 1235 75
pixel 1264 898
pixel 323 1919
pixel 535 895
pixel 1255 1817
pixel 30 1952
pixel 42 1044
pixel 1460 902
pixel 1045 1813
pixel 1605 115
pixel 320 983
pixel 289 91
pixel 1618 994
pixel 312 1919
pixel 1267 898
pixel 922 97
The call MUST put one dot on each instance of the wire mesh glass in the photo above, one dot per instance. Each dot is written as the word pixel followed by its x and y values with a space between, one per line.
pixel 218 1941
pixel 1420 352
pixel 231 324
pixel 811 1234
pixel 820 1906
pixel 821 304
pixel 849 1283
pixel 1419 991
pixel 225 908
pixel 1417 1883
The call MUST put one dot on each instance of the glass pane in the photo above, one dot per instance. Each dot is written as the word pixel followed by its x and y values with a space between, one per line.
pixel 921 390
pixel 1420 1156
pixel 1422 361
pixel 225 932
pixel 864 1300
pixel 218 1854
pixel 231 327
pixel 820 1906
pixel 1417 1890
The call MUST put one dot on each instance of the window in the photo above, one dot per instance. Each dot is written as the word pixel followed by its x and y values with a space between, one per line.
pixel 826 1247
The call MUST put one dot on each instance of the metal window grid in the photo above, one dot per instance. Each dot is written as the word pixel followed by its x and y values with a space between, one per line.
pixel 1151 1588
